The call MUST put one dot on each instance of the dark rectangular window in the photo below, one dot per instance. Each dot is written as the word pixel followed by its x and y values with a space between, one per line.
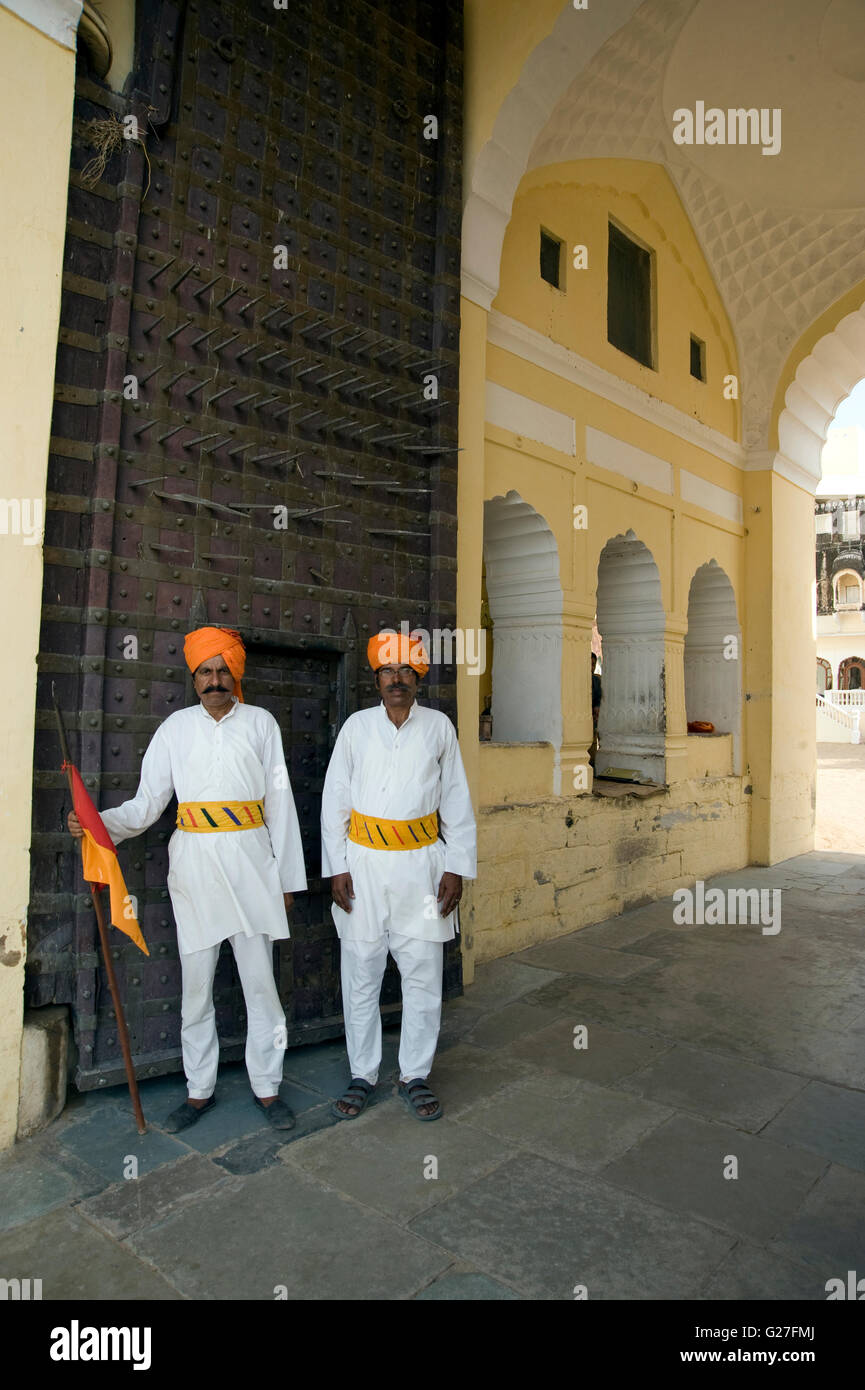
pixel 629 296
pixel 551 259
pixel 698 358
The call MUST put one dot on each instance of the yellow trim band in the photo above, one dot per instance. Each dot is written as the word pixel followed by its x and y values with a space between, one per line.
pixel 204 817
pixel 393 834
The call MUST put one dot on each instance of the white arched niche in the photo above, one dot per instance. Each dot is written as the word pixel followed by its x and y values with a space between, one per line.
pixel 525 599
pixel 713 655
pixel 631 621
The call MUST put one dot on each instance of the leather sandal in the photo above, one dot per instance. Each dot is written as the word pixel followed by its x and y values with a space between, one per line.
pixel 417 1093
pixel 357 1095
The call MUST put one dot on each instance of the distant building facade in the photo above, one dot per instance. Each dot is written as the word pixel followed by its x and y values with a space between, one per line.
pixel 840 566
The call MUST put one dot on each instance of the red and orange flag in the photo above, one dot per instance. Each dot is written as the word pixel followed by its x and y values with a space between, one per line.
pixel 99 860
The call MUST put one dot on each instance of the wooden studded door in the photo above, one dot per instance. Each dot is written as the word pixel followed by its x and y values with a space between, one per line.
pixel 255 426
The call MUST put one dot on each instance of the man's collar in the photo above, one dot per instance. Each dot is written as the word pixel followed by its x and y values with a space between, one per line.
pixel 227 715
pixel 386 716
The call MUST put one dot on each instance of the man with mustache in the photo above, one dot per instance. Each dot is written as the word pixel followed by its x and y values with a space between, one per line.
pixel 398 837
pixel 235 861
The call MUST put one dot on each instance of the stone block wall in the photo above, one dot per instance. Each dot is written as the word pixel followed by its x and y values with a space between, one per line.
pixel 550 866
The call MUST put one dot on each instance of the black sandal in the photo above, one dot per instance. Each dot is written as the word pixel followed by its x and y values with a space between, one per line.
pixel 357 1094
pixel 417 1093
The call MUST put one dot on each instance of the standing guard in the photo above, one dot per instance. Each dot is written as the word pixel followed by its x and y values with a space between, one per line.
pixel 398 837
pixel 235 861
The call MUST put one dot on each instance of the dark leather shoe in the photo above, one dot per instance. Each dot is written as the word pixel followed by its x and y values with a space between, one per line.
pixel 278 1114
pixel 186 1115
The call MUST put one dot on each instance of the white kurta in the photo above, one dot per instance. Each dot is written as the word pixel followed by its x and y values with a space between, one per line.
pixel 224 882
pixel 402 773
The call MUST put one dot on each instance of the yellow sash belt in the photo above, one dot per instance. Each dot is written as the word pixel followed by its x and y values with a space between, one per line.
pixel 393 834
pixel 204 817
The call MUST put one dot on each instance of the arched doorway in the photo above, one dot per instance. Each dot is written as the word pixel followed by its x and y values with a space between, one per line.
pixel 851 673
pixel 824 675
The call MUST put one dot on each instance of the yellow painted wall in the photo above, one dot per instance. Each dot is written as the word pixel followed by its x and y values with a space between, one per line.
pixel 547 864
pixel 779 666
pixel 575 202
pixel 36 89
pixel 511 772
pixel 562 863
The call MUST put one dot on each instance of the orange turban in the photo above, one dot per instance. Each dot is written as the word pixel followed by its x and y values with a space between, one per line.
pixel 397 649
pixel 207 642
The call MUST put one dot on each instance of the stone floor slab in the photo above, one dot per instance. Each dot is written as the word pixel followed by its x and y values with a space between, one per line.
pixel 383 1160
pixel 826 1119
pixel 572 956
pixel 813 865
pixel 830 1226
pixel 545 1230
pixel 281 1229
pixel 815 1053
pixel 133 1205
pixel 731 1091
pixel 35 1178
pixel 584 1128
pixel 628 929
pixel 608 1055
pixel 502 981
pixel 502 1025
pixel 107 1140
pixel 752 1273
pixel 466 1074
pixel 681 1165
pixel 76 1262
pixel 474 1288
pixel 457 1023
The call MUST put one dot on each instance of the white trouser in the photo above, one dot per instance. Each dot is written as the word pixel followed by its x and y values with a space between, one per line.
pixel 362 965
pixel 265 1027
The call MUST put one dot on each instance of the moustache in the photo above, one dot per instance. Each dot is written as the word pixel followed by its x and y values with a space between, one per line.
pixel 215 690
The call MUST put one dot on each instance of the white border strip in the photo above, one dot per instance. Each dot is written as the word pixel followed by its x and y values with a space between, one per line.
pixel 529 418
pixel 709 496
pixel 605 451
pixel 515 337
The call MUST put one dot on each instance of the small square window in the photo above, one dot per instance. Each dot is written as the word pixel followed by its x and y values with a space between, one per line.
pixel 698 358
pixel 551 259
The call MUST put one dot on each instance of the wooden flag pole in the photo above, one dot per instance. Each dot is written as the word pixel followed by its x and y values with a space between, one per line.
pixel 96 894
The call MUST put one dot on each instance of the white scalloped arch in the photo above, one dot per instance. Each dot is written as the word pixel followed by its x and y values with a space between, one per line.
pixel 576 37
pixel 823 380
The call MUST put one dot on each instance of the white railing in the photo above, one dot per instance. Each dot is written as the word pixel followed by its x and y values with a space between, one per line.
pixel 845 698
pixel 847 719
